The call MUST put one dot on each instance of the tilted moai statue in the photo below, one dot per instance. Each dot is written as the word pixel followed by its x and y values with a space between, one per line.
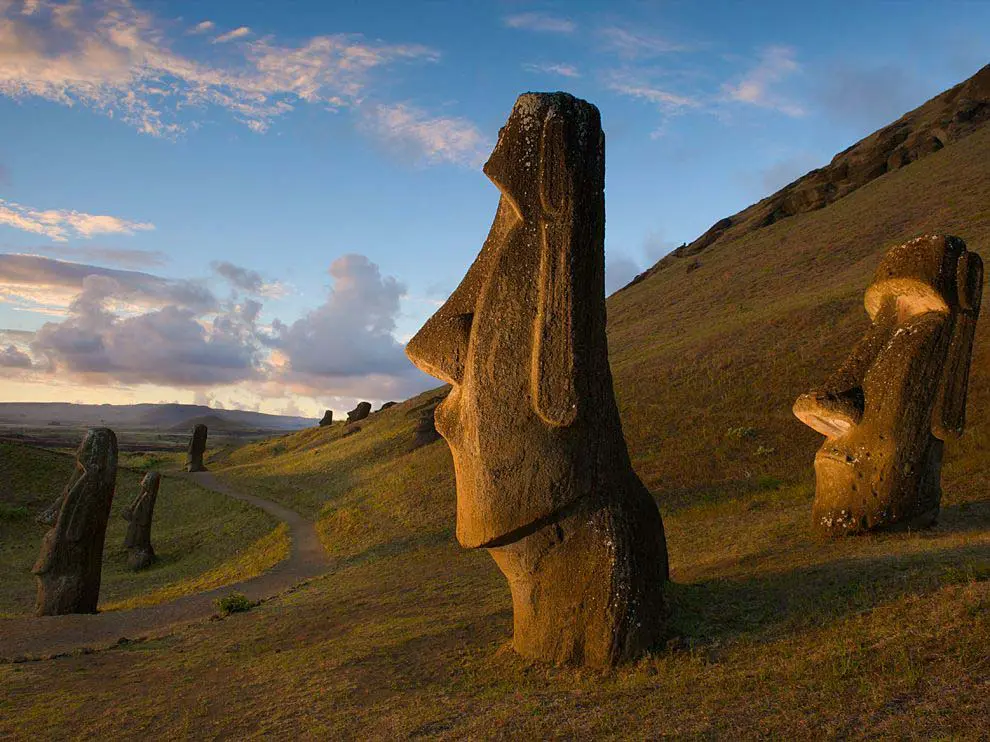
pixel 543 476
pixel 69 565
pixel 139 513
pixel 901 393
pixel 327 419
pixel 359 413
pixel 197 447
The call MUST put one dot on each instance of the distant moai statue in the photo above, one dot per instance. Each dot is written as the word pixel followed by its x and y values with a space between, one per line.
pixel 197 447
pixel 543 475
pixel 359 413
pixel 387 405
pixel 139 513
pixel 327 419
pixel 71 559
pixel 900 394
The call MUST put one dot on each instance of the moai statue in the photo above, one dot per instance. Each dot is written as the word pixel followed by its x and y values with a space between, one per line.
pixel 543 476
pixel 901 393
pixel 426 428
pixel 359 413
pixel 197 447
pixel 387 406
pixel 327 419
pixel 139 513
pixel 69 565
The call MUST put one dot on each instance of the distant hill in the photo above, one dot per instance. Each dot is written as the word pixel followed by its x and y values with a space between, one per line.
pixel 142 416
pixel 215 423
pixel 946 118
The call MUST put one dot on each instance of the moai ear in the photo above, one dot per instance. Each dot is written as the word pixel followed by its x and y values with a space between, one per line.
pixel 949 417
pixel 553 362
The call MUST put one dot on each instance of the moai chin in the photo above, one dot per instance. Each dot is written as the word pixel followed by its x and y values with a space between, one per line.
pixel 139 514
pixel 197 447
pixel 71 559
pixel 543 476
pixel 901 393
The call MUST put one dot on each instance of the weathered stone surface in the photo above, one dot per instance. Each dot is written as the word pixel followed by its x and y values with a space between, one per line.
pixel 902 392
pixel 71 559
pixel 139 513
pixel 327 418
pixel 197 447
pixel 426 429
pixel 360 412
pixel 386 406
pixel 543 475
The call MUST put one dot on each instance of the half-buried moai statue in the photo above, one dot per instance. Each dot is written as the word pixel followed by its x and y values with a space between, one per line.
pixel 197 447
pixel 901 393
pixel 543 476
pixel 69 565
pixel 327 419
pixel 359 413
pixel 139 513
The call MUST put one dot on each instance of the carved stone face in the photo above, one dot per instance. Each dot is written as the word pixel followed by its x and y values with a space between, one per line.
pixel 901 392
pixel 531 419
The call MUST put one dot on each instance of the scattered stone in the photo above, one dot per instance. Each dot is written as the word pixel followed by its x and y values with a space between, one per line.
pixel 901 393
pixel 359 413
pixel 327 419
pixel 139 513
pixel 543 474
pixel 387 405
pixel 69 566
pixel 197 447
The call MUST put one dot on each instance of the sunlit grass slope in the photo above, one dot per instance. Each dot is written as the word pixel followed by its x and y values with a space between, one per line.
pixel 202 539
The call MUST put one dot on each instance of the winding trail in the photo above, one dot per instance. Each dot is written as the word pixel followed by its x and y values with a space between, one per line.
pixel 32 637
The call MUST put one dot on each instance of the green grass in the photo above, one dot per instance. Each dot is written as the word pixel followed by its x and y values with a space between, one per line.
pixel 202 539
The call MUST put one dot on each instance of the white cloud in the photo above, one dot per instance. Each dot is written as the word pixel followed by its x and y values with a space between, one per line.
pixel 543 22
pixel 237 33
pixel 662 98
pixel 201 27
pixel 435 139
pixel 564 70
pixel 629 44
pixel 61 224
pixel 115 58
pixel 757 86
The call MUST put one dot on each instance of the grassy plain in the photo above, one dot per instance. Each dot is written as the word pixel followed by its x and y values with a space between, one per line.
pixel 202 539
pixel 773 631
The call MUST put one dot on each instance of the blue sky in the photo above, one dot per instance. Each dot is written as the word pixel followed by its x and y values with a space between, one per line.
pixel 254 204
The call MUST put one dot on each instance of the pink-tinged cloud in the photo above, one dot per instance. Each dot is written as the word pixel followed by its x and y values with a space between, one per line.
pixel 61 224
pixel 757 86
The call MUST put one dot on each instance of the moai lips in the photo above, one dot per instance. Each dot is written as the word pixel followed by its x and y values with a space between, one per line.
pixel 543 474
pixel 901 393
pixel 139 513
pixel 69 566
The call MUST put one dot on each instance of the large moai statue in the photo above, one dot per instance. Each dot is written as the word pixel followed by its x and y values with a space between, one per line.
pixel 900 394
pixel 197 447
pixel 69 565
pixel 543 476
pixel 327 419
pixel 139 514
pixel 360 412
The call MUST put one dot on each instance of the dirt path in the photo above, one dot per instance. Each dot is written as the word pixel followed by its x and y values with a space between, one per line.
pixel 39 637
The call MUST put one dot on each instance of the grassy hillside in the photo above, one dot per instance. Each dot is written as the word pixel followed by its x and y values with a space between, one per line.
pixel 202 538
pixel 773 630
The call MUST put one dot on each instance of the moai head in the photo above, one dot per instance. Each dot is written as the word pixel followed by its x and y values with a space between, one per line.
pixel 140 514
pixel 360 412
pixel 902 392
pixel 69 565
pixel 531 417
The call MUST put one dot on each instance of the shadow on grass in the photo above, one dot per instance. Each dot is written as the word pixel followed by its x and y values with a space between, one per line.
pixel 766 606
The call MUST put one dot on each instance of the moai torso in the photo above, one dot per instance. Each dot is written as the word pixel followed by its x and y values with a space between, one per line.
pixel 901 393
pixel 69 566
pixel 197 447
pixel 139 514
pixel 543 474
